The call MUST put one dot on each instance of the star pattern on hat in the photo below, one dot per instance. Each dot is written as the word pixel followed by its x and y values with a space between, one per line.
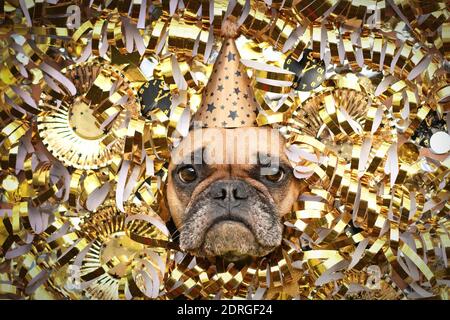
pixel 231 56
pixel 233 115
pixel 210 107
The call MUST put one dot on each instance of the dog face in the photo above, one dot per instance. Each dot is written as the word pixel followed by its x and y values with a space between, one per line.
pixel 225 206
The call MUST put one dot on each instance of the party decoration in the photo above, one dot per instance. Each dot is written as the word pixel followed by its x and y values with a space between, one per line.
pixel 310 72
pixel 152 96
pixel 228 100
pixel 95 95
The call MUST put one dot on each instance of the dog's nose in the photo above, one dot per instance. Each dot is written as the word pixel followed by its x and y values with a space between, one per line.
pixel 230 191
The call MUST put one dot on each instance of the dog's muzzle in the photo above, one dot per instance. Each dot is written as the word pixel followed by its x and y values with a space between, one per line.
pixel 231 216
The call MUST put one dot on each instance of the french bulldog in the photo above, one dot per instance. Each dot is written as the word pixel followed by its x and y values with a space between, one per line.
pixel 230 206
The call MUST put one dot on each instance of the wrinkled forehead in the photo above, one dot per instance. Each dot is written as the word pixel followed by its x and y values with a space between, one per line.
pixel 230 146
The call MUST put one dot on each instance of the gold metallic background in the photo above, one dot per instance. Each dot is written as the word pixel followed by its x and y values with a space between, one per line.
pixel 93 96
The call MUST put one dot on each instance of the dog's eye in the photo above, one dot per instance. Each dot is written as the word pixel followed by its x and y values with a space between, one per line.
pixel 276 176
pixel 187 174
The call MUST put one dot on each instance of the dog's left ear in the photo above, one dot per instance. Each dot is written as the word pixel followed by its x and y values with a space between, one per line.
pixel 164 212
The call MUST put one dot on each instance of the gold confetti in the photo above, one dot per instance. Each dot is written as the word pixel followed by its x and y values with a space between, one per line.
pixel 92 102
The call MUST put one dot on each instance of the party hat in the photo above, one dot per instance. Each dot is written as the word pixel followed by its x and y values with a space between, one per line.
pixel 228 99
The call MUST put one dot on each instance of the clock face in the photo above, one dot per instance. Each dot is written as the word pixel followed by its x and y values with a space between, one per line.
pixel 309 72
pixel 153 95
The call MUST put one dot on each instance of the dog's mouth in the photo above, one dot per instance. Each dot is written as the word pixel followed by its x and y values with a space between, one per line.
pixel 214 245
pixel 231 219
pixel 232 238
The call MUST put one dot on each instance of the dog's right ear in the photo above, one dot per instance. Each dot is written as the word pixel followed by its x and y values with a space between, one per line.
pixel 164 212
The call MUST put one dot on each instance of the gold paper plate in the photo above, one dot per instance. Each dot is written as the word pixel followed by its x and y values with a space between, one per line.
pixel 71 131
pixel 115 259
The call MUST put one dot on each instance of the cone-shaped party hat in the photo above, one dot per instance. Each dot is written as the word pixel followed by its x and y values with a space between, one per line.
pixel 228 100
